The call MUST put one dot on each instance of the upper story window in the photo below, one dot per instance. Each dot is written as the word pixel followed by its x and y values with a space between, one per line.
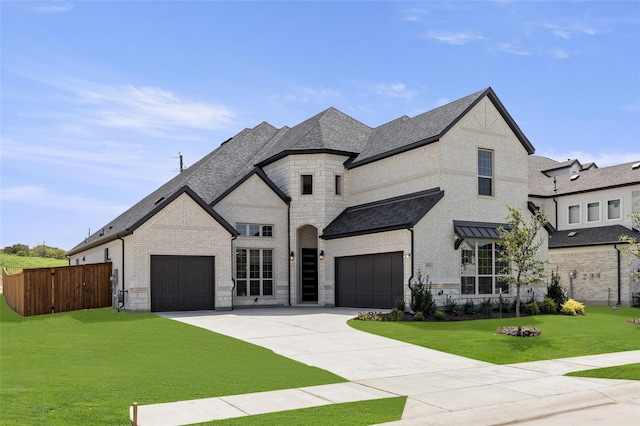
pixel 593 212
pixel 613 209
pixel 338 180
pixel 254 230
pixel 574 214
pixel 485 172
pixel 307 184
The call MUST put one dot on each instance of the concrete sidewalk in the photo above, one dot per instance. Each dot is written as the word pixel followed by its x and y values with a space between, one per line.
pixel 441 388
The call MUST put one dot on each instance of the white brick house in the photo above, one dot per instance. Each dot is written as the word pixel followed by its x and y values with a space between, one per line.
pixel 328 212
pixel 590 208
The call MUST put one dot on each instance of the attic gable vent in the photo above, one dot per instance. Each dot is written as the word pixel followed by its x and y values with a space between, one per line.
pixel 571 234
pixel 575 177
pixel 635 166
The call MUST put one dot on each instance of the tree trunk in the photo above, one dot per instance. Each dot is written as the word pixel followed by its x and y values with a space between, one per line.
pixel 518 297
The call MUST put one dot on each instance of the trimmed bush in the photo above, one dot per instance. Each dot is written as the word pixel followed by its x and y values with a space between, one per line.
pixel 369 316
pixel 468 308
pixel 548 306
pixel 555 291
pixel 399 304
pixel 439 314
pixel 451 305
pixel 396 315
pixel 532 308
pixel 486 306
pixel 572 307
pixel 419 316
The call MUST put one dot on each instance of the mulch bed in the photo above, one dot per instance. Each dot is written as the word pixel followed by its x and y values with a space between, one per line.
pixel 519 331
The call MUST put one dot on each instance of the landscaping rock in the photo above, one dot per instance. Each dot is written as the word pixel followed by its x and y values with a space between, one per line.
pixel 519 331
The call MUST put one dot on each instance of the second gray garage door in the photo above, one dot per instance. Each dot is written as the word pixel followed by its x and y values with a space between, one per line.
pixel 369 281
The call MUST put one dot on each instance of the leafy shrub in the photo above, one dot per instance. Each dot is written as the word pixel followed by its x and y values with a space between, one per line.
pixel 555 291
pixel 486 306
pixel 468 308
pixel 369 316
pixel 399 304
pixel 572 307
pixel 419 316
pixel 421 296
pixel 439 314
pixel 532 308
pixel 504 304
pixel 396 315
pixel 457 311
pixel 450 305
pixel 548 305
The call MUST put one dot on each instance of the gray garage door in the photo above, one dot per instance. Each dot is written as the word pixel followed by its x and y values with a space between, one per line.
pixel 369 281
pixel 182 283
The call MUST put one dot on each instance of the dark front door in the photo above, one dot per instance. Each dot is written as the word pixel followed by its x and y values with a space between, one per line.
pixel 309 267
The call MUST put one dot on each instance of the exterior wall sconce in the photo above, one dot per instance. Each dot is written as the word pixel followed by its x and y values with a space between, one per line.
pixel 321 254
pixel 408 255
pixel 291 256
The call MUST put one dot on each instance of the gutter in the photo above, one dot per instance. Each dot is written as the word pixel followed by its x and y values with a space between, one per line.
pixel 412 259
pixel 615 246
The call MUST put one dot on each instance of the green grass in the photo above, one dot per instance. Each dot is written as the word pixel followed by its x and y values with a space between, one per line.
pixel 24 262
pixel 601 330
pixel 628 372
pixel 347 414
pixel 88 367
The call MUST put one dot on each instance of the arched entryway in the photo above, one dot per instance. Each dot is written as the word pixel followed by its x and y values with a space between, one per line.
pixel 307 242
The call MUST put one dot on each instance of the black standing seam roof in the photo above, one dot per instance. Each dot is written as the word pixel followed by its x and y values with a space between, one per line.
pixel 478 230
pixel 381 216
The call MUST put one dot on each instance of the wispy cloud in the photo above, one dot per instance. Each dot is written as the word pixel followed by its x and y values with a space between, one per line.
pixel 413 15
pixel 456 38
pixel 45 197
pixel 394 90
pixel 571 30
pixel 512 48
pixel 558 53
pixel 51 7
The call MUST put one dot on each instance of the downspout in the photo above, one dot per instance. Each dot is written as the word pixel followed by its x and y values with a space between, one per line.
pixel 615 246
pixel 233 278
pixel 289 251
pixel 412 258
pixel 556 203
pixel 123 291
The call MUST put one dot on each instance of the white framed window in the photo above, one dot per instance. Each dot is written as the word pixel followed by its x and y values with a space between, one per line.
pixel 338 184
pixel 574 214
pixel 254 272
pixel 485 172
pixel 593 212
pixel 306 184
pixel 254 230
pixel 613 209
pixel 482 270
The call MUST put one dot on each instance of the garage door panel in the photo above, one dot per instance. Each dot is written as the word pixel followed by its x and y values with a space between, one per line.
pixel 182 283
pixel 369 281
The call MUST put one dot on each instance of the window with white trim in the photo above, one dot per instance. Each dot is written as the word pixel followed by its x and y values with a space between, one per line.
pixel 574 214
pixel 482 269
pixel 593 212
pixel 485 172
pixel 254 272
pixel 613 209
pixel 254 230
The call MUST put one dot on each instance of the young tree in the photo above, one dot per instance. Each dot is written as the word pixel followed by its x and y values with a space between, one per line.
pixel 633 245
pixel 521 243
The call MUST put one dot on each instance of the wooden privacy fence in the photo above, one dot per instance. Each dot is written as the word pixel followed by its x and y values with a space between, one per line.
pixel 65 288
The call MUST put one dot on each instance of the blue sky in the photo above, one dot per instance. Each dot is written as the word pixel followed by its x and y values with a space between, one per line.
pixel 98 98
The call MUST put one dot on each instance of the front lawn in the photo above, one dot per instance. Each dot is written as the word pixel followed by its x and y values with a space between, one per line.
pixel 88 367
pixel 601 330
pixel 629 372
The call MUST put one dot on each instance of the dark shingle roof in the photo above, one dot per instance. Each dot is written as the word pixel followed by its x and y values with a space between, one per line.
pixel 587 180
pixel 329 131
pixel 602 235
pixel 386 215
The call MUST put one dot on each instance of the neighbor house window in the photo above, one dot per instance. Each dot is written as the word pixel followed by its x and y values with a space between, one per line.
pixel 254 230
pixel 613 209
pixel 307 184
pixel 485 172
pixel 481 268
pixel 574 214
pixel 338 185
pixel 254 272
pixel 593 212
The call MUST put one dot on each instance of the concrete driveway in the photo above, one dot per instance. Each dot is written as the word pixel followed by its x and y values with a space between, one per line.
pixel 441 388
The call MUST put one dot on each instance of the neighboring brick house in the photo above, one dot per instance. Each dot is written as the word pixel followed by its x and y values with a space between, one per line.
pixel 590 208
pixel 329 212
